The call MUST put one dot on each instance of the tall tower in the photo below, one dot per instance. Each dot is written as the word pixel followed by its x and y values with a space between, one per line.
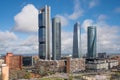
pixel 91 35
pixel 56 38
pixel 76 41
pixel 44 33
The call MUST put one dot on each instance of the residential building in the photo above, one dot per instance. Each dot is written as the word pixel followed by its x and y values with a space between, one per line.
pixel 13 61
pixel 96 64
pixel 4 72
pixel 1 61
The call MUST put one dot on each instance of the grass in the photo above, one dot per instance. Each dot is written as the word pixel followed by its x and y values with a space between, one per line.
pixel 52 79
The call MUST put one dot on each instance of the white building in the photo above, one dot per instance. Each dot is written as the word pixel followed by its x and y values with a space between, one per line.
pixel 96 64
pixel 112 63
pixel 99 64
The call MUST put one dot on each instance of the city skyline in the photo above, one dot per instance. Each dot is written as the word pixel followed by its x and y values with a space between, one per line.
pixel 18 29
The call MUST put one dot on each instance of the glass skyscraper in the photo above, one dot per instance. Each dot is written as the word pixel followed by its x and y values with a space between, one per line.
pixel 44 33
pixel 76 41
pixel 56 38
pixel 91 35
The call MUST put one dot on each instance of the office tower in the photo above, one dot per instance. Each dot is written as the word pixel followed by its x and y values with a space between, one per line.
pixel 56 38
pixel 44 33
pixel 91 35
pixel 76 41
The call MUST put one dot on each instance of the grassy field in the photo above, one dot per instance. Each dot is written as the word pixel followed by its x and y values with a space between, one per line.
pixel 51 79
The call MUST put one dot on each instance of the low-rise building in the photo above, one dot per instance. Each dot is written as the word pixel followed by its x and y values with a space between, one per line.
pixel 13 61
pixel 112 63
pixel 4 72
pixel 27 60
pixel 68 65
pixel 96 64
pixel 1 61
pixel 100 64
pixel 75 64
pixel 102 55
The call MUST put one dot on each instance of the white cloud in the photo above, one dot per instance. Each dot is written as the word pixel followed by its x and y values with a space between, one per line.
pixel 64 20
pixel 6 35
pixel 102 17
pixel 67 42
pixel 31 40
pixel 117 10
pixel 78 11
pixel 107 36
pixel 27 19
pixel 93 3
pixel 86 23
pixel 6 39
pixel 29 45
pixel 21 46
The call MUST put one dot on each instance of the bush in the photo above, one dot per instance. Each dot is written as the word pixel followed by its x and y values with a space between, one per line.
pixel 27 76
pixel 70 77
pixel 51 79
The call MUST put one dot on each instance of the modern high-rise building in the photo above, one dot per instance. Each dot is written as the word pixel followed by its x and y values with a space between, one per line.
pixel 91 35
pixel 56 38
pixel 76 41
pixel 44 33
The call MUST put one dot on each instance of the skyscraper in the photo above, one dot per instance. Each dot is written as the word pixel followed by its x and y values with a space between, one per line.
pixel 91 35
pixel 44 33
pixel 76 41
pixel 56 38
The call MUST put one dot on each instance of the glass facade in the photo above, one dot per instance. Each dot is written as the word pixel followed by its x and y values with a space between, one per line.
pixel 76 41
pixel 91 42
pixel 44 27
pixel 56 38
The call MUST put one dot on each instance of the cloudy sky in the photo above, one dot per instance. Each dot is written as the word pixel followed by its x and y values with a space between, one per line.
pixel 19 24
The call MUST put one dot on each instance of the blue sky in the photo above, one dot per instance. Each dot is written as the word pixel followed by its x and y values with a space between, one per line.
pixel 18 23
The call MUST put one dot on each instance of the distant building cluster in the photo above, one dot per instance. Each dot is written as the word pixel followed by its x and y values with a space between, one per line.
pixel 44 36
pixel 93 60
